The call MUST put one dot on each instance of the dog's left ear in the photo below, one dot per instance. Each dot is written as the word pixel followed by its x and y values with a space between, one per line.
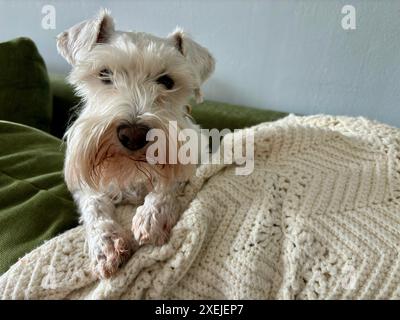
pixel 199 57
pixel 81 38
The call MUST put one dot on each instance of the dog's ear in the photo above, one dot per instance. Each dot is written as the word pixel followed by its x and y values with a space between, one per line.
pixel 199 57
pixel 81 38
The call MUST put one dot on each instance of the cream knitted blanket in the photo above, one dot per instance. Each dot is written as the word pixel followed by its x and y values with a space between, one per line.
pixel 319 218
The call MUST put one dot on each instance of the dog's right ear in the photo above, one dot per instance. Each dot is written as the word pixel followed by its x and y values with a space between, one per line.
pixel 73 43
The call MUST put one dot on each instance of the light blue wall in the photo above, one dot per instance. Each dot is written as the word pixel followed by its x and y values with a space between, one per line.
pixel 287 55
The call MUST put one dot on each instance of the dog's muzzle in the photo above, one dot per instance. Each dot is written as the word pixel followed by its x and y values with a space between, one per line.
pixel 133 136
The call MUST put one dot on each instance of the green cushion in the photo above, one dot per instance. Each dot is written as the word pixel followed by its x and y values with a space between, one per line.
pixel 64 101
pixel 212 114
pixel 25 95
pixel 35 204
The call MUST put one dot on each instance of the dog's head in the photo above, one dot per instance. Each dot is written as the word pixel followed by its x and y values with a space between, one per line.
pixel 129 82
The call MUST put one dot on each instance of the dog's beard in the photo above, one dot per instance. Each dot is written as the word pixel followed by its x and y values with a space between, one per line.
pixel 95 159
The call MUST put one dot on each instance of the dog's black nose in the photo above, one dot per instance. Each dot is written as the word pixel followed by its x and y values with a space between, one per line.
pixel 132 136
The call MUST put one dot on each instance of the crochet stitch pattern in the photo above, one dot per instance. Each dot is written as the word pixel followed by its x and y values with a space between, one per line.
pixel 319 218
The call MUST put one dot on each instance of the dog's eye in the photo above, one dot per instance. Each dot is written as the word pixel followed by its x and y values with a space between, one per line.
pixel 166 81
pixel 105 76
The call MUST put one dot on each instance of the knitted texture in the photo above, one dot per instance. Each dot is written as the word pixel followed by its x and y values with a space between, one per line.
pixel 319 218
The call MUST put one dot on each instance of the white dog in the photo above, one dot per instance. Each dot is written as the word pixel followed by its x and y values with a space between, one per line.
pixel 129 82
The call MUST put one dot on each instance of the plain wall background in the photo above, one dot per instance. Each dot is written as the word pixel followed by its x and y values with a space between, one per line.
pixel 285 55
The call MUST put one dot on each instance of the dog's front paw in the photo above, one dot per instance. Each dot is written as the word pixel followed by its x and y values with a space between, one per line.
pixel 149 226
pixel 109 247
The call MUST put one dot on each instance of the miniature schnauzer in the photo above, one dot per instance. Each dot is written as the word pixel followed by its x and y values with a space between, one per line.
pixel 130 83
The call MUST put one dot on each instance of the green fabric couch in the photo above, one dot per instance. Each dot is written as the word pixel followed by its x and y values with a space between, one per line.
pixel 35 204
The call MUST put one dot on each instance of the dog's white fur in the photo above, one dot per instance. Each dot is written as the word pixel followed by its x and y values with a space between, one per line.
pixel 99 171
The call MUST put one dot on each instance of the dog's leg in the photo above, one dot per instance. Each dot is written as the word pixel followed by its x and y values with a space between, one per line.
pixel 156 217
pixel 108 243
